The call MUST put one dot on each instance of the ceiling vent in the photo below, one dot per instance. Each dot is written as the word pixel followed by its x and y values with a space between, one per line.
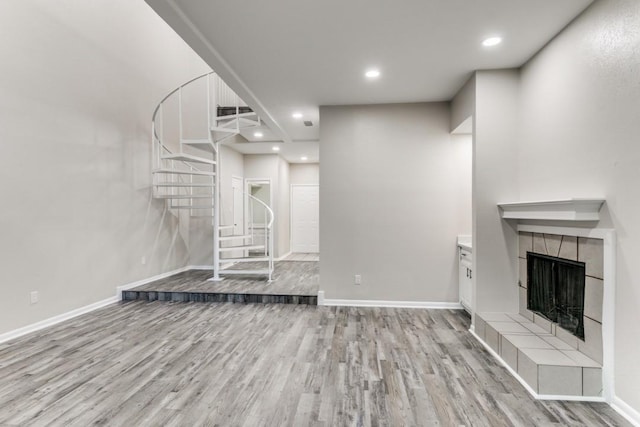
pixel 308 123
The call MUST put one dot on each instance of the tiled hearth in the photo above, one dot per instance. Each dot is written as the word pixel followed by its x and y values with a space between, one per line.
pixel 546 363
pixel 549 359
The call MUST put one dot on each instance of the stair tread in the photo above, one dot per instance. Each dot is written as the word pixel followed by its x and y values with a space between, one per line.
pixel 182 196
pixel 235 237
pixel 182 184
pixel 184 172
pixel 188 158
pixel 246 259
pixel 200 144
pixel 241 247
pixel 191 207
pixel 257 271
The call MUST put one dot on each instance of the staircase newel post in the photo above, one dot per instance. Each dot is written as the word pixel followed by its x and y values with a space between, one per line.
pixel 216 180
pixel 216 218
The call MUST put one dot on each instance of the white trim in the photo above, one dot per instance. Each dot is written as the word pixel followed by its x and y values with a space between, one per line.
pixel 554 210
pixel 137 283
pixel 608 297
pixel 56 319
pixel 391 304
pixel 528 387
pixel 91 307
pixel 283 256
pixel 624 409
pixel 321 298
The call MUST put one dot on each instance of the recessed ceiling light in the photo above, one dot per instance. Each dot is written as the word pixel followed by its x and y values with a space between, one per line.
pixel 275 148
pixel 372 74
pixel 258 134
pixel 303 158
pixel 492 41
pixel 297 115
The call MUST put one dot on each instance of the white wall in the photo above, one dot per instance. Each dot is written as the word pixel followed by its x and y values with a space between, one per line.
pixel 391 207
pixel 304 173
pixel 79 81
pixel 495 250
pixel 579 138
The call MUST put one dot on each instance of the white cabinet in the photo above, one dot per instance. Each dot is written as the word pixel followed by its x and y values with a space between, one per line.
pixel 465 276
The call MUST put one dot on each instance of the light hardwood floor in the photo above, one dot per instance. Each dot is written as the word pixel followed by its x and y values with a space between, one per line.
pixel 192 364
pixel 289 278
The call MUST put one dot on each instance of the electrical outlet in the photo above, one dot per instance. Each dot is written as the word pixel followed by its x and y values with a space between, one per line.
pixel 358 279
pixel 35 297
pixel 143 260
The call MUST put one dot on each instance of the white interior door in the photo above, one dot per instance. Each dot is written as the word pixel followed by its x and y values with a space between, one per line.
pixel 305 215
pixel 238 205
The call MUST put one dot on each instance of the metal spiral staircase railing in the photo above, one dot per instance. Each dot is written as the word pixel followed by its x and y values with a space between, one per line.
pixel 186 170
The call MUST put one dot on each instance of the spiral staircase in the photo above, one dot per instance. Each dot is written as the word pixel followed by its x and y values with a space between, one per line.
pixel 188 126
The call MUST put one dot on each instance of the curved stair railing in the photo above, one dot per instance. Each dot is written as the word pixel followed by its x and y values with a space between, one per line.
pixel 186 176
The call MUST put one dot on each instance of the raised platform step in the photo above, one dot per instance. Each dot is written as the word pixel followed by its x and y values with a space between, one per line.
pixel 247 259
pixel 242 247
pixel 235 237
pixel 188 158
pixel 220 297
pixel 543 361
pixel 184 172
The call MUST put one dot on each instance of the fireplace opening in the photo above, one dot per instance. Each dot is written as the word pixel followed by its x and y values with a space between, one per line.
pixel 555 290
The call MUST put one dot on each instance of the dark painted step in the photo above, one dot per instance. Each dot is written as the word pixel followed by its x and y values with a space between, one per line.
pixel 181 296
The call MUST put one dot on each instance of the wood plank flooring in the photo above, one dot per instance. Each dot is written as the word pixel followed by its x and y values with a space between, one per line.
pixel 302 257
pixel 294 282
pixel 192 364
pixel 290 278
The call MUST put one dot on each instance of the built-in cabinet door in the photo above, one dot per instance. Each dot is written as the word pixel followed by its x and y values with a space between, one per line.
pixel 465 274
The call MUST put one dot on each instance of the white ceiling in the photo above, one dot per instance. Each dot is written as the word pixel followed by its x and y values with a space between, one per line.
pixel 283 56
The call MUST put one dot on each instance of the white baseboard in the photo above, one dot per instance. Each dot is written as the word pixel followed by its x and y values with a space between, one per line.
pixel 141 282
pixel 321 298
pixel 624 409
pixel 56 319
pixel 87 308
pixel 389 304
pixel 527 387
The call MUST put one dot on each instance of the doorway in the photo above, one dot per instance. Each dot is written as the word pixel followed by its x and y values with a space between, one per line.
pixel 257 217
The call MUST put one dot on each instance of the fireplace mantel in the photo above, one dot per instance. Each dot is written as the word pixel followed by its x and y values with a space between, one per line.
pixel 554 210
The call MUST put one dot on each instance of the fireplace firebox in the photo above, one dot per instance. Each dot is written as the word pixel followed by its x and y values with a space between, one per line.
pixel 555 290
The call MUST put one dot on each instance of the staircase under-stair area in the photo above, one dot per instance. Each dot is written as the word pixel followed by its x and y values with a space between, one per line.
pixel 186 170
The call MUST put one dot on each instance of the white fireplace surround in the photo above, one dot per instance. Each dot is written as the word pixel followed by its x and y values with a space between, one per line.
pixel 608 299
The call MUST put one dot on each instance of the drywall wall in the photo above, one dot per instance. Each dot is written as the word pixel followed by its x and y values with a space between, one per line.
pixel 495 249
pixel 390 207
pixel 579 138
pixel 463 104
pixel 79 83
pixel 304 173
